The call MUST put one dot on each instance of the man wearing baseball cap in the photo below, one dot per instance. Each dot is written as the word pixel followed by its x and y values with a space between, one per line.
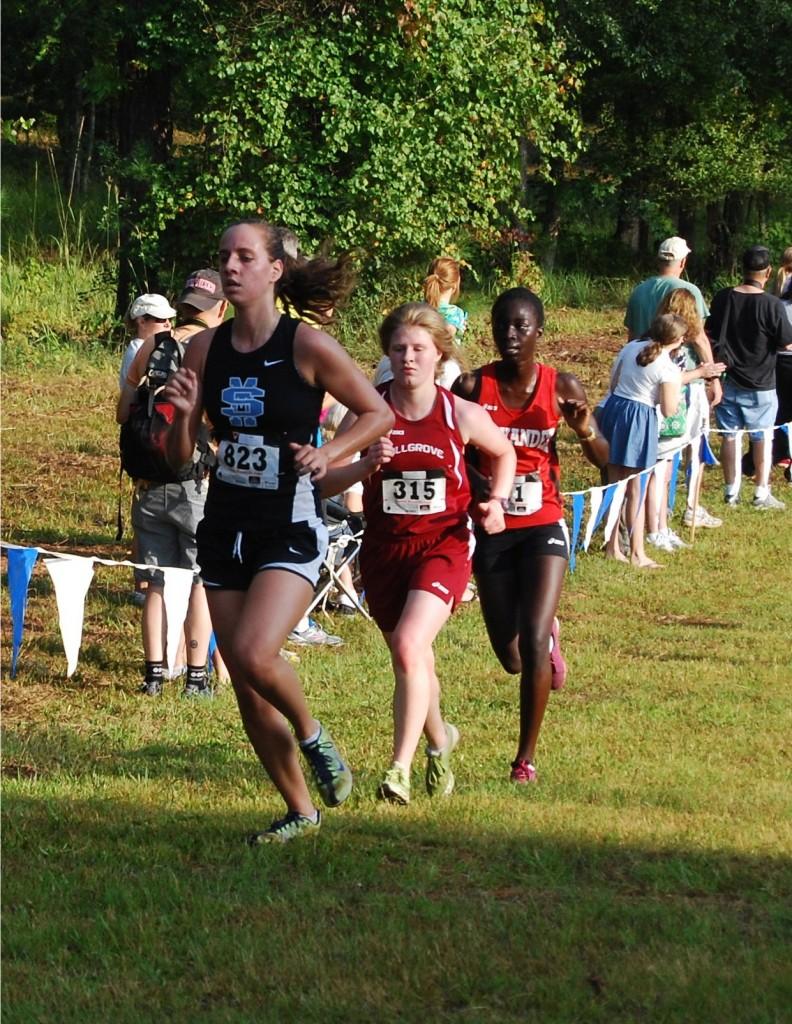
pixel 748 328
pixel 672 254
pixel 166 515
pixel 201 304
pixel 642 305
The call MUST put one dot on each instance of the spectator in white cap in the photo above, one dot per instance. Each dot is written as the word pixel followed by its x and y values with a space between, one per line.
pixel 147 315
pixel 642 307
pixel 165 516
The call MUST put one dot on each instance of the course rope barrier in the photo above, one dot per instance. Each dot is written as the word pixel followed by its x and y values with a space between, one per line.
pixel 72 574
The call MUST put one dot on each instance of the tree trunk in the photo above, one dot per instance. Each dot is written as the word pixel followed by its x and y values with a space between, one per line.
pixel 628 231
pixel 718 236
pixel 145 136
pixel 686 224
pixel 551 215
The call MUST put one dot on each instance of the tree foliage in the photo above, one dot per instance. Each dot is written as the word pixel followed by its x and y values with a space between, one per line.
pixel 391 128
pixel 401 127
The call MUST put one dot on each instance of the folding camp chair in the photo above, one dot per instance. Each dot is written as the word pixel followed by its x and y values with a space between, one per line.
pixel 346 532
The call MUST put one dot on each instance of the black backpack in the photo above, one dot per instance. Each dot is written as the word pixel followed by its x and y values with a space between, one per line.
pixel 143 436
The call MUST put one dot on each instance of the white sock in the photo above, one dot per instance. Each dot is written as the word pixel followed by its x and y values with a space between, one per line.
pixel 312 738
pixel 302 625
pixel 761 492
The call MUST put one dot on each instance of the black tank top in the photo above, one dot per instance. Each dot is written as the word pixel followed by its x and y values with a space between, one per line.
pixel 257 404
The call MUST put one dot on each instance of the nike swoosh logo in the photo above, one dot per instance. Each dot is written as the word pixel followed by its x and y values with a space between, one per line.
pixel 274 362
pixel 293 551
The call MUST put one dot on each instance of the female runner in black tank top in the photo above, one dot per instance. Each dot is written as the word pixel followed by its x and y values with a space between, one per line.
pixel 261 542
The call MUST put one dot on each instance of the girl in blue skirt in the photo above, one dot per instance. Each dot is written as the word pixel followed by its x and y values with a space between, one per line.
pixel 645 384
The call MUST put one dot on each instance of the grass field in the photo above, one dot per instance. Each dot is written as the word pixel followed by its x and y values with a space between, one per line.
pixel 646 878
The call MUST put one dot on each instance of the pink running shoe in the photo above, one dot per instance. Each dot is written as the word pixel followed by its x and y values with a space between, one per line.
pixel 558 665
pixel 522 771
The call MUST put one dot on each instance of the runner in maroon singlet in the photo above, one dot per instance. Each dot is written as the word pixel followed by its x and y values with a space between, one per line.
pixel 415 559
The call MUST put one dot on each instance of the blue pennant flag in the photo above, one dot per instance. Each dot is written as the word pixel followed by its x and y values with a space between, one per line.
pixel 707 454
pixel 672 482
pixel 607 498
pixel 20 569
pixel 578 505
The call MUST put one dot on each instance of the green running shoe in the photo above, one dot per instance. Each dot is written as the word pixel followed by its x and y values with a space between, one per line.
pixel 293 826
pixel 332 775
pixel 439 777
pixel 395 787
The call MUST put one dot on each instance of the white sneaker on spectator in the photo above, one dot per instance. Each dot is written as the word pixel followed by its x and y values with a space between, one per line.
pixel 768 501
pixel 661 541
pixel 674 540
pixel 314 636
pixel 703 518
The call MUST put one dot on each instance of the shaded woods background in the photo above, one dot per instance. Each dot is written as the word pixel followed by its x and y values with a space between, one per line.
pixel 577 133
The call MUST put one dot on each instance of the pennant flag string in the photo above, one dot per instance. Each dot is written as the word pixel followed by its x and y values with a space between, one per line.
pixel 71 577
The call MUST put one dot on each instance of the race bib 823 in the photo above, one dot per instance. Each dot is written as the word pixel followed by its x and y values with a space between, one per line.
pixel 248 462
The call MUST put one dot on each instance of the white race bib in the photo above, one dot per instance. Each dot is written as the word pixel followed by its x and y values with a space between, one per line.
pixel 248 462
pixel 414 493
pixel 526 496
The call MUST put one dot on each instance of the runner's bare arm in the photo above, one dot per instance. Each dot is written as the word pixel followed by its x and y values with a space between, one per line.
pixel 479 430
pixel 324 363
pixel 574 407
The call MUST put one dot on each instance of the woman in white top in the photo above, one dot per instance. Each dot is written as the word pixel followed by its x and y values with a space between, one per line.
pixel 645 383
pixel 147 316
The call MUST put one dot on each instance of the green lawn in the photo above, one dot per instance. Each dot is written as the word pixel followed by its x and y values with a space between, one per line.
pixel 646 878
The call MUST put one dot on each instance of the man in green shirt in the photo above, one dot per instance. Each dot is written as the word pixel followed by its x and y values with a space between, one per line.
pixel 645 298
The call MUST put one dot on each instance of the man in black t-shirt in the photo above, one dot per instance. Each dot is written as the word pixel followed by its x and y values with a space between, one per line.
pixel 747 328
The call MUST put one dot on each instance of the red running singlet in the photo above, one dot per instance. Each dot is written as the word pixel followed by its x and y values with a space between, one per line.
pixel 536 496
pixel 424 489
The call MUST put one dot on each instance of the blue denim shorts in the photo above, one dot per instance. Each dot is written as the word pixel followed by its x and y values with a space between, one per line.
pixel 744 409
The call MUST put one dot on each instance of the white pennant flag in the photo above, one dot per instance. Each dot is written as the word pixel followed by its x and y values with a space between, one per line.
pixel 615 508
pixel 176 597
pixel 71 578
pixel 596 501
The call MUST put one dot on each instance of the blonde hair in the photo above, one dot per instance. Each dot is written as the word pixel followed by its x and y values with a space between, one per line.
pixel 667 330
pixel 784 272
pixel 444 273
pixel 683 303
pixel 419 314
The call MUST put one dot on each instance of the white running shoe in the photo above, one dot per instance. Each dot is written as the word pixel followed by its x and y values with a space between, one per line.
pixel 768 501
pixel 703 518
pixel 314 636
pixel 674 540
pixel 660 541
